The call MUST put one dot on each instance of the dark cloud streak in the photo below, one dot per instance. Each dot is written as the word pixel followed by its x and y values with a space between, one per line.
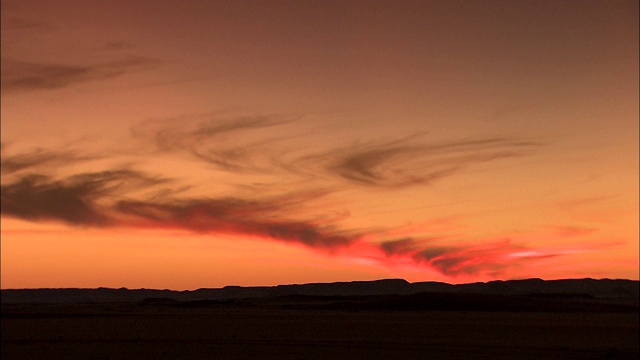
pixel 101 199
pixel 34 198
pixel 104 199
pixel 232 216
pixel 75 200
pixel 107 199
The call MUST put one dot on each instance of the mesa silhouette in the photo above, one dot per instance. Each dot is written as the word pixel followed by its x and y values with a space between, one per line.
pixel 570 295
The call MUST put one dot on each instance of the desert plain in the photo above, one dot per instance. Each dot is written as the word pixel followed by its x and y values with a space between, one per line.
pixel 299 327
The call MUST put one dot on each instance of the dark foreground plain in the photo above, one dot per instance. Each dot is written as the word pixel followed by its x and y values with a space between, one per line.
pixel 303 327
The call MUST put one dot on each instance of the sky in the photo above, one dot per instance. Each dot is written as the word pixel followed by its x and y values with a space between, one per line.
pixel 187 144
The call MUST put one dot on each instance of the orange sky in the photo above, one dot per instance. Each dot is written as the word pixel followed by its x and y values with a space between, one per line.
pixel 187 144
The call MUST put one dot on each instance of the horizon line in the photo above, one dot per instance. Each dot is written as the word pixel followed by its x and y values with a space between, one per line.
pixel 322 283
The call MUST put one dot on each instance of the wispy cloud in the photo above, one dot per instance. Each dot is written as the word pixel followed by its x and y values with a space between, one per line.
pixel 112 199
pixel 38 159
pixel 127 197
pixel 19 75
pixel 396 163
pixel 490 257
pixel 408 162
pixel 231 143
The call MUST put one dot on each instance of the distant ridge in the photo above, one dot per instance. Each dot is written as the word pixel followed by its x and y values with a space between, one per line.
pixel 600 289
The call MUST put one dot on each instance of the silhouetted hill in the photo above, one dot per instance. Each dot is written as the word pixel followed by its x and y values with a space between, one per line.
pixel 352 292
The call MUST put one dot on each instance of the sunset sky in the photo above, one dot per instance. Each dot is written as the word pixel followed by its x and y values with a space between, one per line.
pixel 188 144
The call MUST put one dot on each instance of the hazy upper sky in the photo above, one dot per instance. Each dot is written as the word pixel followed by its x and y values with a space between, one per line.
pixel 186 144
